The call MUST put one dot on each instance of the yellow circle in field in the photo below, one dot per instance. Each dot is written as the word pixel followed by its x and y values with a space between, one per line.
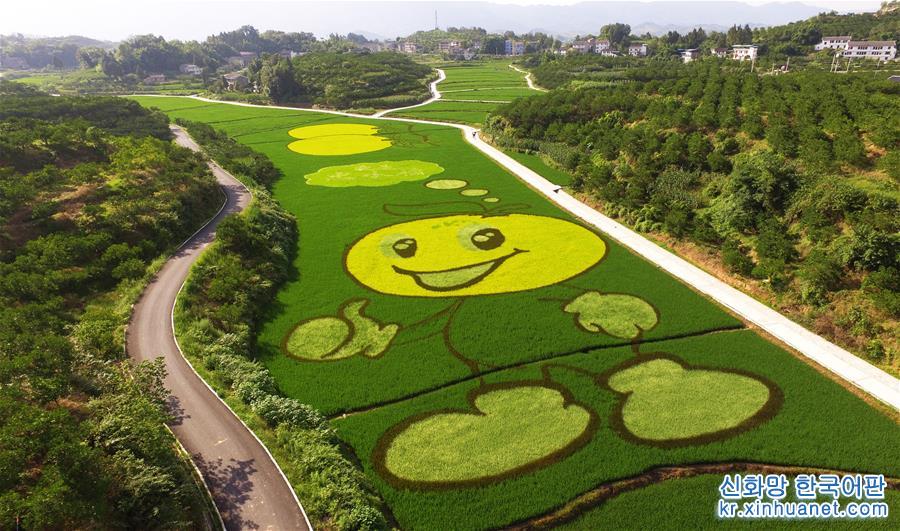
pixel 463 255
pixel 337 139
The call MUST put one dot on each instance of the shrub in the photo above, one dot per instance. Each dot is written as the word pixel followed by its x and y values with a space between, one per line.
pixel 735 257
pixel 280 410
pixel 818 275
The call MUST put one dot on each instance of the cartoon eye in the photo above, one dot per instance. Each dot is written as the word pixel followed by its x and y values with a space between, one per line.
pixel 487 239
pixel 405 247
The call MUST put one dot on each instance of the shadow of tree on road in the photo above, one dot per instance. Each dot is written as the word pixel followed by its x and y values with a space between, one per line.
pixel 175 411
pixel 231 486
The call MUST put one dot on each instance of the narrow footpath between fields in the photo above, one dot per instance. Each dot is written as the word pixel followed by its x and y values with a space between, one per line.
pixel 249 489
pixel 528 79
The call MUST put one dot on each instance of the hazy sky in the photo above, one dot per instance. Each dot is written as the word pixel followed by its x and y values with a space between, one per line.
pixel 194 19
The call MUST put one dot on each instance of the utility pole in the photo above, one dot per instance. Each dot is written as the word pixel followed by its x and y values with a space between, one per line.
pixel 435 20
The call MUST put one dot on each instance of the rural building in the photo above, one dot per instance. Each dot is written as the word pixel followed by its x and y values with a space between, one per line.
pixel 409 47
pixel 155 79
pixel 721 53
pixel 242 59
pixel 744 52
pixel 583 46
pixel 689 55
pixel 834 42
pixel 601 45
pixel 511 47
pixel 193 70
pixel 878 50
pixel 450 47
pixel 236 81
pixel 610 53
pixel 637 50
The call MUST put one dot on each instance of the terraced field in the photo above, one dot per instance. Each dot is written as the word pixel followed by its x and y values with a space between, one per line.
pixel 471 91
pixel 489 359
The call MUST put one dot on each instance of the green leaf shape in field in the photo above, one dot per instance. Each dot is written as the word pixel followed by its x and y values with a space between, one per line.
pixel 510 429
pixel 336 338
pixel 373 174
pixel 668 402
pixel 616 314
pixel 446 184
pixel 337 139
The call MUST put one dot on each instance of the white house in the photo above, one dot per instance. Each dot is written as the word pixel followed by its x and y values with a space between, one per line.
pixel 637 50
pixel 721 53
pixel 584 46
pixel 744 52
pixel 601 45
pixel 193 70
pixel 610 53
pixel 834 42
pixel 511 47
pixel 878 50
pixel 409 47
pixel 690 54
pixel 450 47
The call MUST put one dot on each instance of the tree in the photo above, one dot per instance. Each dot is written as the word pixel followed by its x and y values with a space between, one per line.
pixel 617 33
pixel 278 81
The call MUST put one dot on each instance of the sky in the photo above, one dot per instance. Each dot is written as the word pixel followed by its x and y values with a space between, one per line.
pixel 194 19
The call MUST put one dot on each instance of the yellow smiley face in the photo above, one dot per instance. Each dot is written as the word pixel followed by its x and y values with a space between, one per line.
pixel 463 255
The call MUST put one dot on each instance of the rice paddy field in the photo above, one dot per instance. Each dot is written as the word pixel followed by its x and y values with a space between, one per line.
pixel 472 90
pixel 489 359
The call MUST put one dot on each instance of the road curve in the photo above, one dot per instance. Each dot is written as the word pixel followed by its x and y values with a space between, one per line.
pixel 435 95
pixel 249 489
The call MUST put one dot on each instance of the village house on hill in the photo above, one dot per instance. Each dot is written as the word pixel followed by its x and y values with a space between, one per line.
pixel 744 52
pixel 236 81
pixel 637 50
pixel 834 42
pixel 511 47
pixel 877 50
pixel 191 69
pixel 689 55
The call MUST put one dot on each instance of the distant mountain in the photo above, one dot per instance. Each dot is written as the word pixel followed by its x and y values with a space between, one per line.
pixel 195 19
pixel 398 19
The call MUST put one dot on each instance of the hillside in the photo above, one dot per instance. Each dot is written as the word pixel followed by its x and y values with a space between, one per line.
pixel 91 194
pixel 791 180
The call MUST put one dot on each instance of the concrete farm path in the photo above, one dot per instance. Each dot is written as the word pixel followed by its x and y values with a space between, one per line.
pixel 435 95
pixel 528 79
pixel 249 489
pixel 850 368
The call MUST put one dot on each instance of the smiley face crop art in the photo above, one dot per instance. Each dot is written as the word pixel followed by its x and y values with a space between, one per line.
pixel 465 255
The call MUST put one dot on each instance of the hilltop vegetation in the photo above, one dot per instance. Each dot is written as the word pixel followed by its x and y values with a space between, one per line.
pixel 341 79
pixel 794 178
pixel 91 192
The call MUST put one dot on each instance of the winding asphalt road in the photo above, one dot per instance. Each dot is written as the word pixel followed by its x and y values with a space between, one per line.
pixel 249 489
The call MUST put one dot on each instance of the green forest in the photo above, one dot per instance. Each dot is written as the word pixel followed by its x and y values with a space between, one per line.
pixel 92 196
pixel 791 180
pixel 341 79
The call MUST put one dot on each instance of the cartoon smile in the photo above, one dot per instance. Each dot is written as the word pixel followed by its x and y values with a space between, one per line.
pixel 464 255
pixel 457 277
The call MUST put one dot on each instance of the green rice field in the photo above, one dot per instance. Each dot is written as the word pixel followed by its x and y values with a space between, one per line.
pixel 488 359
pixel 473 89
